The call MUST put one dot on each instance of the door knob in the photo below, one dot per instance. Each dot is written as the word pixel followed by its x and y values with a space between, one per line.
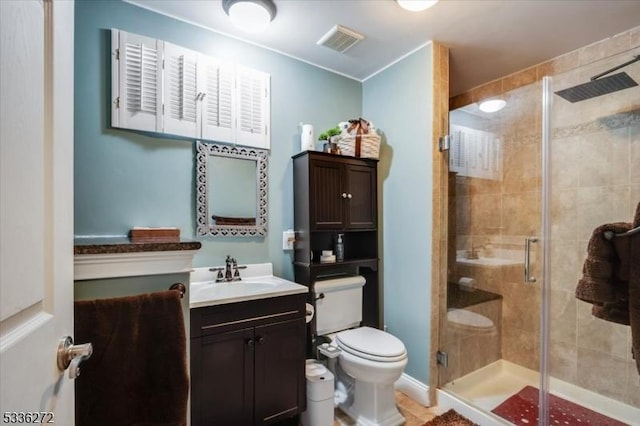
pixel 344 195
pixel 70 355
pixel 349 196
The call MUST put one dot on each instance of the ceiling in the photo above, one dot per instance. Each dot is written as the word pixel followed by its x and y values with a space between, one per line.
pixel 487 38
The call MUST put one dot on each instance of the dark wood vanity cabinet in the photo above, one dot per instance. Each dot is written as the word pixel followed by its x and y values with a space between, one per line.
pixel 335 194
pixel 247 362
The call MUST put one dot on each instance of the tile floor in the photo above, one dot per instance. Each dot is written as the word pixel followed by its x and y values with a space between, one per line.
pixel 414 413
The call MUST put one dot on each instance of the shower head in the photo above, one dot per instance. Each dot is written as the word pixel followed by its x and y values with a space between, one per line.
pixel 600 86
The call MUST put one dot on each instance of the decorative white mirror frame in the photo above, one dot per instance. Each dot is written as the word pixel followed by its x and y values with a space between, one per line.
pixel 204 225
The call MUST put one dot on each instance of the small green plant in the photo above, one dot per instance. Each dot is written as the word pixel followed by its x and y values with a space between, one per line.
pixel 329 133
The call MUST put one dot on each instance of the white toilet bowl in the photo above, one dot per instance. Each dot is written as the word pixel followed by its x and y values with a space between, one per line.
pixel 375 360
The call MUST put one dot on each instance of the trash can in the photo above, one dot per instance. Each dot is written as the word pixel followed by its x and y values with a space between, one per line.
pixel 320 388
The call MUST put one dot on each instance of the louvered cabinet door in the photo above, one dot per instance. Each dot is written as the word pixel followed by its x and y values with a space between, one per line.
pixel 216 84
pixel 253 108
pixel 181 93
pixel 137 82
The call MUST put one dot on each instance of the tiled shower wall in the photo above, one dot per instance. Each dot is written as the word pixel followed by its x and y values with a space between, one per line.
pixel 595 172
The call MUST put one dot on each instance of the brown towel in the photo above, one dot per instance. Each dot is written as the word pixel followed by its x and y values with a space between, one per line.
pixel 601 282
pixel 137 375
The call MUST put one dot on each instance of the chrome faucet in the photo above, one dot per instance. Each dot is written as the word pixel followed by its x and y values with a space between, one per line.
pixel 473 253
pixel 231 271
pixel 228 275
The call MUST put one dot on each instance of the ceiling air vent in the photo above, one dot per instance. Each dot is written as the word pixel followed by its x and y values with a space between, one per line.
pixel 340 38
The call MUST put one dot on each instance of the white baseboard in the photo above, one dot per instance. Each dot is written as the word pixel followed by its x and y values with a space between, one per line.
pixel 413 388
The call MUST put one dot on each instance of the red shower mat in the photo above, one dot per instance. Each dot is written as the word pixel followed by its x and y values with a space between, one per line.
pixel 522 409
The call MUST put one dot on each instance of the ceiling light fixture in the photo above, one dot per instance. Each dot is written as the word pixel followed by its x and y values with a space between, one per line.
pixel 416 5
pixel 250 16
pixel 492 105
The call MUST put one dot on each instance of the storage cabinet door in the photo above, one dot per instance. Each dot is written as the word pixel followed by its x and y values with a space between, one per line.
pixel 253 108
pixel 225 381
pixel 327 195
pixel 361 200
pixel 279 370
pixel 136 73
pixel 216 83
pixel 180 91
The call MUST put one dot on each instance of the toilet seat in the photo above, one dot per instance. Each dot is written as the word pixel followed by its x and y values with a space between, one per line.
pixel 371 344
pixel 469 320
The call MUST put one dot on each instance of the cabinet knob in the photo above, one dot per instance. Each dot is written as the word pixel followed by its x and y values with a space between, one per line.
pixel 344 195
pixel 261 340
pixel 250 343
pixel 349 196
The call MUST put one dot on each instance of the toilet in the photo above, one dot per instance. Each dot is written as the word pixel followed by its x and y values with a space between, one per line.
pixel 370 361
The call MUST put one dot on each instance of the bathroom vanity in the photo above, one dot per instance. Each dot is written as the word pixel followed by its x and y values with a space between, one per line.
pixel 247 351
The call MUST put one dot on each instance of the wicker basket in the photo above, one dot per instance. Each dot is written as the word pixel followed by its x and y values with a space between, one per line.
pixel 369 145
pixel 359 142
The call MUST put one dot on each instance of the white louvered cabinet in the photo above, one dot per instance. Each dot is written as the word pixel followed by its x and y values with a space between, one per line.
pixel 196 96
pixel 136 70
pixel 180 91
pixel 217 83
pixel 253 108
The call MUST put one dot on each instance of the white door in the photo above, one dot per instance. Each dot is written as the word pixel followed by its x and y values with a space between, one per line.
pixel 36 208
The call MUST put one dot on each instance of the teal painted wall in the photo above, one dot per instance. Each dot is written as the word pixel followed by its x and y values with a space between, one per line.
pixel 125 179
pixel 398 101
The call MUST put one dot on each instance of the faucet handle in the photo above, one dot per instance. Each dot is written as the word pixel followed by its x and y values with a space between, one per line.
pixel 219 277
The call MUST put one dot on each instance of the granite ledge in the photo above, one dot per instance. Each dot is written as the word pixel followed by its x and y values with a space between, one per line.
pixel 114 245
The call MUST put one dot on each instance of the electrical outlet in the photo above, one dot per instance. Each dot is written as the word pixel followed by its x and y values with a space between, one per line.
pixel 288 238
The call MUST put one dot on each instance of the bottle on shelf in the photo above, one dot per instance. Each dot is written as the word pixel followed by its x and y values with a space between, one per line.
pixel 340 248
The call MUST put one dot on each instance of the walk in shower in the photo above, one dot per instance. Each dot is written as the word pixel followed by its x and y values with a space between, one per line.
pixel 527 187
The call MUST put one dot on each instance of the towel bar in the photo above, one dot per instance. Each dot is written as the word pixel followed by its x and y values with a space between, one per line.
pixel 180 287
pixel 610 235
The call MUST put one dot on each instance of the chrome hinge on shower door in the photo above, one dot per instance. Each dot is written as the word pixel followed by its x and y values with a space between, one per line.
pixel 442 358
pixel 444 142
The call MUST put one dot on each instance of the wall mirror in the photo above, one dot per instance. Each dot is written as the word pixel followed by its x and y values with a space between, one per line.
pixel 231 190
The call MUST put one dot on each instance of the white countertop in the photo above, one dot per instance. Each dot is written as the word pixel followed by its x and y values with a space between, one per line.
pixel 258 282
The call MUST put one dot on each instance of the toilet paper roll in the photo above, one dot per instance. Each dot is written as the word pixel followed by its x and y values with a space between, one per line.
pixel 310 313
pixel 467 283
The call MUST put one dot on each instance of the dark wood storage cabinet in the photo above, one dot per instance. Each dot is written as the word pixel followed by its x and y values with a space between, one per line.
pixel 247 362
pixel 333 195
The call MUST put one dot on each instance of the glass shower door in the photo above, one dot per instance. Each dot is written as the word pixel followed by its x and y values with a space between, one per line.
pixel 490 322
pixel 594 180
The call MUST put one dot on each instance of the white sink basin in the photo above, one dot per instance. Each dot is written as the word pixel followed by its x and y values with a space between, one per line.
pixel 209 292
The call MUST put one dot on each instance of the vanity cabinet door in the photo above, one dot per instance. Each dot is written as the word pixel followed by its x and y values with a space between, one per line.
pixel 279 370
pixel 222 383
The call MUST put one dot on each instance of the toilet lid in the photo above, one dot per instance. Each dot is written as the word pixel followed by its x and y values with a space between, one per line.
pixel 468 318
pixel 371 343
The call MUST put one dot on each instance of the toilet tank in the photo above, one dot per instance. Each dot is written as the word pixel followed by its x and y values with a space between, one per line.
pixel 341 306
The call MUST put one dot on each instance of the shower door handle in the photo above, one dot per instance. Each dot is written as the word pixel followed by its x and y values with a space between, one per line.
pixel 527 259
